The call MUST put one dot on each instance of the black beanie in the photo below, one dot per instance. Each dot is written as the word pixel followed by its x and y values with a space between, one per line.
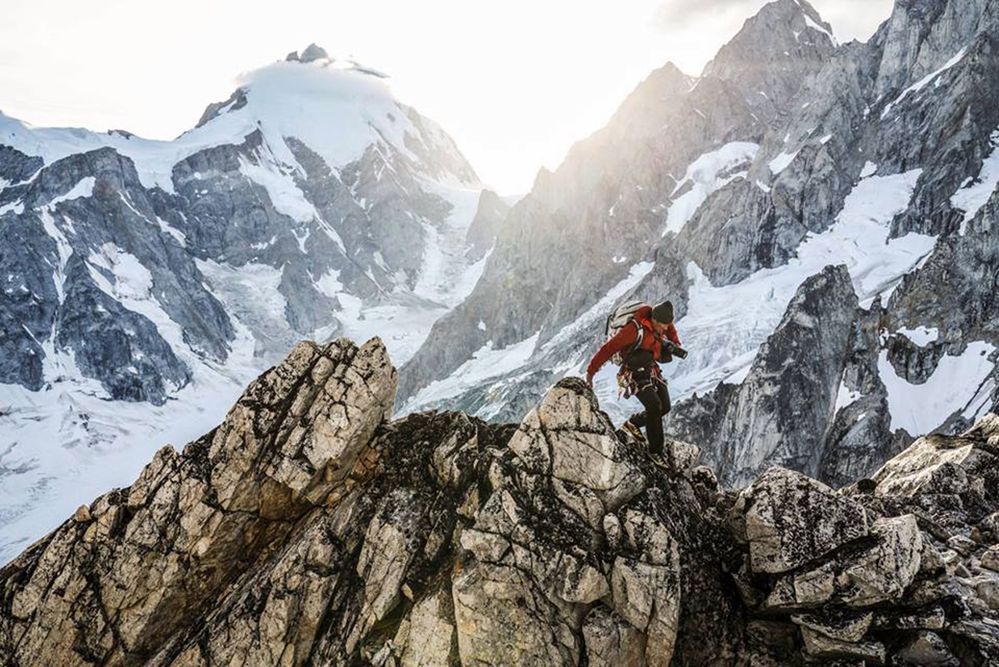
pixel 663 312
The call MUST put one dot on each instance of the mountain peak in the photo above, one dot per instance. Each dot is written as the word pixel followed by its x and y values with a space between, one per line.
pixel 780 30
pixel 311 53
pixel 774 51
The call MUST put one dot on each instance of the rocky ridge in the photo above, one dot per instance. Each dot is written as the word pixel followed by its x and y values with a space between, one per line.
pixel 307 528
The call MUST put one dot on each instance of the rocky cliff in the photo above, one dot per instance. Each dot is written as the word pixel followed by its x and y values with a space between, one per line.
pixel 307 528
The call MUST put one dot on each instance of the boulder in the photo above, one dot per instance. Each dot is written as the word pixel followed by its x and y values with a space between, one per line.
pixel 612 642
pixel 790 519
pixel 818 645
pixel 927 648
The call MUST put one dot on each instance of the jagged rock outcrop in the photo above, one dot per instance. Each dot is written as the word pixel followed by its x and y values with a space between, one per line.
pixel 308 529
pixel 778 414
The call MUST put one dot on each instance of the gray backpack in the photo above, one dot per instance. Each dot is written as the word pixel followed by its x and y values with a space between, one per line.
pixel 622 316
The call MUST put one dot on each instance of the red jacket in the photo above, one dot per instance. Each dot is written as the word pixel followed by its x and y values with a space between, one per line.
pixel 626 338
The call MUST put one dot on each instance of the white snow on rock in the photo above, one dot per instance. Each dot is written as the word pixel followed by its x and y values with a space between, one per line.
pixel 782 162
pixel 485 364
pixel 921 408
pixel 84 188
pixel 725 326
pixel 925 81
pixel 972 196
pixel 846 397
pixel 599 310
pixel 447 277
pixel 335 107
pixel 705 175
pixel 921 336
pixel 811 23
pixel 286 196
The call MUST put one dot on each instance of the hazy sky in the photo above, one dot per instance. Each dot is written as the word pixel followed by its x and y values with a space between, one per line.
pixel 515 82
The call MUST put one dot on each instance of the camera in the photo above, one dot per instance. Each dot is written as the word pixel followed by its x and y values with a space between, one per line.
pixel 675 350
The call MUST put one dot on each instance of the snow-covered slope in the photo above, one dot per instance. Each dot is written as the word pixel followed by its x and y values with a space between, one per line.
pixel 143 283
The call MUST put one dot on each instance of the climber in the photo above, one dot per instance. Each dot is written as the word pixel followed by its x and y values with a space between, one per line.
pixel 641 337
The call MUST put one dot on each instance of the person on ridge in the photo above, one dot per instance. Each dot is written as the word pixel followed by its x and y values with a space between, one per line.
pixel 648 339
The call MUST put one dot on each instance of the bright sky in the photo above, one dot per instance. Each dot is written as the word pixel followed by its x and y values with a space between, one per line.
pixel 515 82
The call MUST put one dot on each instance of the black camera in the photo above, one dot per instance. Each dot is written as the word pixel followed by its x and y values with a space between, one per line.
pixel 675 350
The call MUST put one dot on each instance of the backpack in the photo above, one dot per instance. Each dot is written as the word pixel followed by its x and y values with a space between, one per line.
pixel 622 316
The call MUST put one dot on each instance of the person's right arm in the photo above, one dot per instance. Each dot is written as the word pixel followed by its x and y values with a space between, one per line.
pixel 621 341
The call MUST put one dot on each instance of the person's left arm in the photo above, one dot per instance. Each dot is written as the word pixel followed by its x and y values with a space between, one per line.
pixel 673 335
pixel 665 356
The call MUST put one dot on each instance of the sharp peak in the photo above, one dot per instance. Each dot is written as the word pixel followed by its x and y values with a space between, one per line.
pixel 314 53
pixel 786 9
pixel 309 54
pixel 794 6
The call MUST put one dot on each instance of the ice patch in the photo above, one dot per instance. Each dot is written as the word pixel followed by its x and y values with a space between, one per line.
pixel 739 376
pixel 724 326
pixel 869 169
pixel 921 336
pixel 921 408
pixel 922 83
pixel 707 174
pixel 282 190
pixel 447 277
pixel 972 197
pixel 846 397
pixel 485 364
pixel 329 284
pixel 131 285
pixel 84 188
pixel 177 235
pixel 601 308
pixel 811 23
pixel 782 162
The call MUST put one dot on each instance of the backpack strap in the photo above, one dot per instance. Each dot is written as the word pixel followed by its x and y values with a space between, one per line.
pixel 638 341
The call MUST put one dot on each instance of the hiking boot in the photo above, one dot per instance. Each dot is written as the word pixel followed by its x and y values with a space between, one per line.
pixel 660 461
pixel 633 431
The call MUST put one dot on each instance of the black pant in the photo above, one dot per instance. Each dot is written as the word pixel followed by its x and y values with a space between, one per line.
pixel 655 399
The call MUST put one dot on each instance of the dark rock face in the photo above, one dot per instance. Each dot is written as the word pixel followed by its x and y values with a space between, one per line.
pixel 306 529
pixel 70 265
pixel 16 167
pixel 778 414
pixel 489 215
